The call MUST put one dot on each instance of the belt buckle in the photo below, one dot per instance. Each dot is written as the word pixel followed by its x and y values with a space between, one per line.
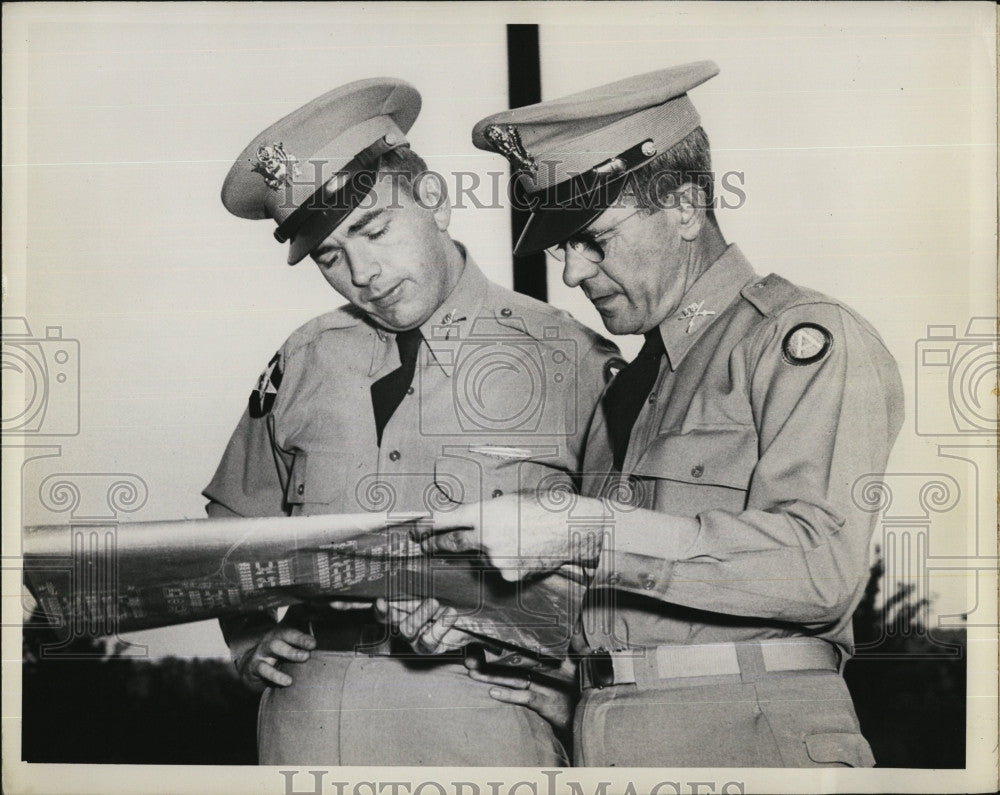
pixel 600 668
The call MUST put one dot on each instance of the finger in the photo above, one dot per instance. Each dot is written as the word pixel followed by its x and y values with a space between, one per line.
pixel 394 610
pixel 513 574
pixel 349 604
pixel 295 637
pixel 411 624
pixel 513 682
pixel 461 517
pixel 439 634
pixel 278 648
pixel 452 541
pixel 522 697
pixel 269 673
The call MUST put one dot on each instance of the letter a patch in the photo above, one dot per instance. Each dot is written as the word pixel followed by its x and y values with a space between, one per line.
pixel 807 343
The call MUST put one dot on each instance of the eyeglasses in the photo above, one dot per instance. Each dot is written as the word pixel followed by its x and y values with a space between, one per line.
pixel 587 245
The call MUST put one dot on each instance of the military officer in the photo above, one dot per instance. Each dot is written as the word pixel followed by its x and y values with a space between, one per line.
pixel 432 387
pixel 731 554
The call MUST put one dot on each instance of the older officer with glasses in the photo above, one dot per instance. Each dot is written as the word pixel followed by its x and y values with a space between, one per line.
pixel 730 555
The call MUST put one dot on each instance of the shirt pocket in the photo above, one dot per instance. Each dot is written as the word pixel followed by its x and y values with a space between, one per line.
pixel 839 748
pixel 321 482
pixel 468 476
pixel 700 468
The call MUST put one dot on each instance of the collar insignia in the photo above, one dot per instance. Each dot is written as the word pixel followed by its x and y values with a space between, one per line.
pixel 274 164
pixel 691 313
pixel 507 141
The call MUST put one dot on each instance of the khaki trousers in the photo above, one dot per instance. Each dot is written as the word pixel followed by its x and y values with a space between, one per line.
pixel 795 719
pixel 345 709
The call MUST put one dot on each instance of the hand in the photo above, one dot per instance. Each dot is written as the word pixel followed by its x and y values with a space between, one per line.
pixel 495 528
pixel 427 626
pixel 552 701
pixel 258 667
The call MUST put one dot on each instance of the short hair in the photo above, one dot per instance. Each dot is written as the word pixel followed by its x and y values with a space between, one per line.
pixel 404 164
pixel 688 160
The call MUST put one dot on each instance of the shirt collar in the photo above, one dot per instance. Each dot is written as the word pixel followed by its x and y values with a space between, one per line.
pixel 454 318
pixel 457 311
pixel 702 304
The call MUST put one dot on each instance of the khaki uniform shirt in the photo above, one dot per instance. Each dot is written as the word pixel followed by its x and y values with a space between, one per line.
pixel 501 401
pixel 771 402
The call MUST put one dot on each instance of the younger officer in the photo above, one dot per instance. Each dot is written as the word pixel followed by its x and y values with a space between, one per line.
pixel 431 388
pixel 719 616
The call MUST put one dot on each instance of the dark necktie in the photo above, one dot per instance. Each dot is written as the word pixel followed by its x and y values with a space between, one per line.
pixel 624 398
pixel 388 392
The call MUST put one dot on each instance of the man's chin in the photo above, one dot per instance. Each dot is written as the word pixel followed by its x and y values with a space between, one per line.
pixel 620 325
pixel 402 320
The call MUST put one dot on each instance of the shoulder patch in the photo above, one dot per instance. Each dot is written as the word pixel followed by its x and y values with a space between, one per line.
pixel 806 343
pixel 612 367
pixel 262 398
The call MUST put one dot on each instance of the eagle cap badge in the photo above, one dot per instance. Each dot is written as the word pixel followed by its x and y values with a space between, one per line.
pixel 506 140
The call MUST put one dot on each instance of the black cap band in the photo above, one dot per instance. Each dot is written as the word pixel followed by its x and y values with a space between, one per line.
pixel 358 178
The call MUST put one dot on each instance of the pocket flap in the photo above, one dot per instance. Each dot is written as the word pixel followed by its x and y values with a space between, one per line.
pixel 847 748
pixel 719 456
pixel 316 477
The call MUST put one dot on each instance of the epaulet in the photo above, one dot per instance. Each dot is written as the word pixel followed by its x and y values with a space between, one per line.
pixel 346 316
pixel 773 294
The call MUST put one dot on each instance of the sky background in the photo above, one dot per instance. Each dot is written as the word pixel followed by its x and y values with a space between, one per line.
pixel 865 136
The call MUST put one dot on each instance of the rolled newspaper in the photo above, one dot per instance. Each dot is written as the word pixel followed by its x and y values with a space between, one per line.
pixel 110 578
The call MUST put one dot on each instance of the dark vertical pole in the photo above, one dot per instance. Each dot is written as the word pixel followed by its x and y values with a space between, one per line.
pixel 524 87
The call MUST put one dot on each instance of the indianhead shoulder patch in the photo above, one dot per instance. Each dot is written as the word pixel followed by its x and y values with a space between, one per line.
pixel 806 343
pixel 612 367
pixel 262 398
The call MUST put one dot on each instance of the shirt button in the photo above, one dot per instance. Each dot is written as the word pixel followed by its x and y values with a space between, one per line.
pixel 649 585
pixel 497 492
pixel 614 578
pixel 760 285
pixel 505 312
pixel 446 319
pixel 394 455
pixel 301 489
pixel 652 398
pixel 515 660
pixel 409 390
pixel 697 471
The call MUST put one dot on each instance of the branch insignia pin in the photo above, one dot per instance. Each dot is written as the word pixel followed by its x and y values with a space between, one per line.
pixel 692 312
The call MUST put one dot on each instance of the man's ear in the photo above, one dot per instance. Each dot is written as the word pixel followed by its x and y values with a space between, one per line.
pixel 432 194
pixel 692 205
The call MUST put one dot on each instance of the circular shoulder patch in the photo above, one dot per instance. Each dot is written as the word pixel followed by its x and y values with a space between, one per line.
pixel 806 343
pixel 612 367
pixel 262 398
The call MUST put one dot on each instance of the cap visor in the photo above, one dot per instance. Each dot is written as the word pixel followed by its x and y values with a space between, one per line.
pixel 550 225
pixel 546 228
pixel 323 221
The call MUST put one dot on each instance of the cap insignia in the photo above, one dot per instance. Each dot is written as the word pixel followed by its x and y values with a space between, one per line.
pixel 507 141
pixel 274 164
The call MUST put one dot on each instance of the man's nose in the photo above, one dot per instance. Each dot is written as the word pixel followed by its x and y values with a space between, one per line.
pixel 576 268
pixel 364 267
